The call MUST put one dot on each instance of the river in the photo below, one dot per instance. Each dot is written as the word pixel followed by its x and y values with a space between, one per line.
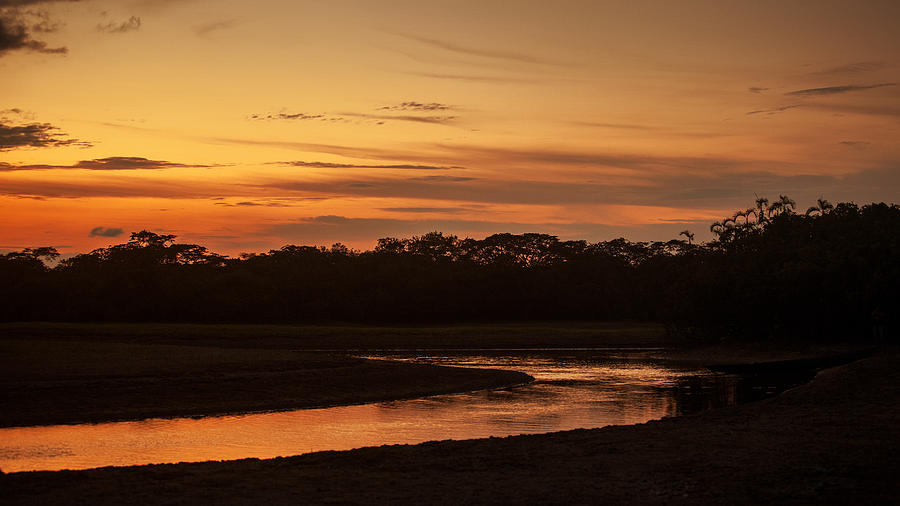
pixel 572 389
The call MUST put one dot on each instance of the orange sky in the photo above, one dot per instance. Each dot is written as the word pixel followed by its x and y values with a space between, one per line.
pixel 245 126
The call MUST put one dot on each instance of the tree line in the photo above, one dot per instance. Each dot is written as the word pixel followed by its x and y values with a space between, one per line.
pixel 831 272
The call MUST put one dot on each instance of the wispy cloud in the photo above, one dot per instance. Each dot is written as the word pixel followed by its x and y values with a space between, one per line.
pixel 331 228
pixel 476 78
pixel 477 51
pixel 405 117
pixel 253 203
pixel 424 210
pixel 369 153
pixel 35 135
pixel 342 116
pixel 295 116
pixel 856 144
pixel 215 26
pixel 622 126
pixel 110 163
pixel 869 110
pixel 416 106
pixel 329 165
pixel 443 179
pixel 757 89
pixel 852 68
pixel 773 110
pixel 24 3
pixel 160 4
pixel 833 90
pixel 131 24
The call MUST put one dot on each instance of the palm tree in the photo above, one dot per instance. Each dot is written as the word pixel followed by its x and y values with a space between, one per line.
pixel 822 207
pixel 762 204
pixel 787 204
pixel 688 235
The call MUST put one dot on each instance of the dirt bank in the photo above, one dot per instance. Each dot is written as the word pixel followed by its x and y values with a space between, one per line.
pixel 830 441
pixel 46 382
pixel 352 337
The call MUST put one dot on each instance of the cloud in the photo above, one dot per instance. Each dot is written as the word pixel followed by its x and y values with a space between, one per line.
pixel 700 189
pixel 757 89
pixel 105 232
pixel 833 90
pixel 623 126
pixel 476 51
pixel 16 27
pixel 34 135
pixel 475 78
pixel 450 179
pixel 774 110
pixel 852 68
pixel 24 3
pixel 331 228
pixel 299 116
pixel 133 23
pixel 329 165
pixel 332 149
pixel 253 203
pixel 214 26
pixel 109 163
pixel 42 22
pixel 121 186
pixel 416 106
pixel 160 4
pixel 450 210
pixel 856 144
pixel 414 119
pixel 870 110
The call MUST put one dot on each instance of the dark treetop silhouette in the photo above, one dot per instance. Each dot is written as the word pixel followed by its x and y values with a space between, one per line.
pixel 770 272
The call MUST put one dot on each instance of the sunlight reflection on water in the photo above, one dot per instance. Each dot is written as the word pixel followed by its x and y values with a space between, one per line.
pixel 572 390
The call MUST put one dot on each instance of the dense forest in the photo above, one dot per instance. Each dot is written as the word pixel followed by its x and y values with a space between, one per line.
pixel 831 272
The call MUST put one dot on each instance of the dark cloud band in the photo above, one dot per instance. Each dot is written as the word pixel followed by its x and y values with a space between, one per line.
pixel 34 135
pixel 109 163
pixel 329 165
pixel 833 90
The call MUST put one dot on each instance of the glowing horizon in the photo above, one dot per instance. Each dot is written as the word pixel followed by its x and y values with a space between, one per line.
pixel 246 127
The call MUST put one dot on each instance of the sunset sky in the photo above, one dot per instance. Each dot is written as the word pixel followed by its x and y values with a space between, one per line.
pixel 245 126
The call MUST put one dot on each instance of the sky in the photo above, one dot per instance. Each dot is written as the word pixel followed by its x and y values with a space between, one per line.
pixel 245 126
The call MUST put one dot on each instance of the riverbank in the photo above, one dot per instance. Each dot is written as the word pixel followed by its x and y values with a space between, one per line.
pixel 47 382
pixel 830 441
pixel 353 337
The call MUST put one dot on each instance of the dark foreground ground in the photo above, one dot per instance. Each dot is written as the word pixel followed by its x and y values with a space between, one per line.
pixel 56 373
pixel 833 440
pixel 352 337
pixel 45 381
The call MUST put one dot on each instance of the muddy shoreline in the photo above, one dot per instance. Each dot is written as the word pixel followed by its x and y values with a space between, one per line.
pixel 832 440
pixel 63 382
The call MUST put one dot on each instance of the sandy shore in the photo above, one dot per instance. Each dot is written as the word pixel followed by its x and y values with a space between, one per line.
pixel 833 440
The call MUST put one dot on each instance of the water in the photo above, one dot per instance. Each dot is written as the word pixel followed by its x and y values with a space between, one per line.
pixel 573 389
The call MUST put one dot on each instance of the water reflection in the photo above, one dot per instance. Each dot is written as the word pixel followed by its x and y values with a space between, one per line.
pixel 572 390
